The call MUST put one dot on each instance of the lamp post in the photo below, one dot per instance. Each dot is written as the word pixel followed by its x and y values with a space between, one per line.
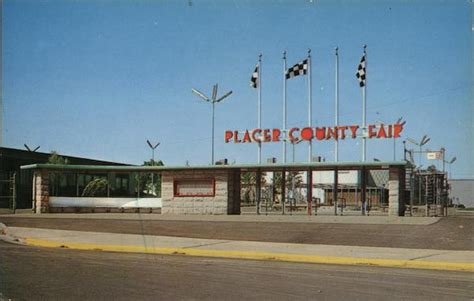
pixel 402 123
pixel 425 139
pixel 449 162
pixel 213 100
pixel 153 147
pixel 31 150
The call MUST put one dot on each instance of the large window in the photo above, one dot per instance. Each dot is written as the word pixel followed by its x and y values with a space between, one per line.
pixel 122 186
pixel 92 185
pixel 62 184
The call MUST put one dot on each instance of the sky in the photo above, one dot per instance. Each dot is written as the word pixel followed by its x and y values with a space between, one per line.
pixel 97 78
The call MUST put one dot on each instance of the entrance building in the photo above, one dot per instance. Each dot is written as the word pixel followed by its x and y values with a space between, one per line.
pixel 221 189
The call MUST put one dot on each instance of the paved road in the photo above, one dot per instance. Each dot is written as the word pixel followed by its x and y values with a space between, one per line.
pixel 30 273
pixel 451 233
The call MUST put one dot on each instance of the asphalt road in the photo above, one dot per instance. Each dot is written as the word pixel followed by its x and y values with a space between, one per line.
pixel 451 233
pixel 30 273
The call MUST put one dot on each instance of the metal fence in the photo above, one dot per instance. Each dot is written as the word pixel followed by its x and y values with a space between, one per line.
pixel 8 191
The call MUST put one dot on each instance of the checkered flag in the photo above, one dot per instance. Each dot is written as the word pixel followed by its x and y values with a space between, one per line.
pixel 298 69
pixel 254 79
pixel 361 72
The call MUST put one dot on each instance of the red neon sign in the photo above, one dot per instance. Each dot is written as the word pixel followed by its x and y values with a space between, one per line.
pixel 309 133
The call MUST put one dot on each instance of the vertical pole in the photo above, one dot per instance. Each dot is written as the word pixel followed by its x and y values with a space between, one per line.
pixel 443 152
pixel 108 185
pixel 364 109
pixel 76 177
pixel 394 156
pixel 212 151
pixel 426 196
pixel 363 190
pixel 334 190
pixel 293 145
pixel 336 109
pixel 356 196
pixel 309 190
pixel 310 106
pixel 14 192
pixel 284 107
pixel 420 154
pixel 259 103
pixel 258 189
pixel 412 191
pixel 152 164
pixel 283 191
pixel 404 151
pixel 292 200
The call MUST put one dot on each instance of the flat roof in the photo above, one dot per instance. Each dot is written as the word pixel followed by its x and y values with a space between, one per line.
pixel 243 167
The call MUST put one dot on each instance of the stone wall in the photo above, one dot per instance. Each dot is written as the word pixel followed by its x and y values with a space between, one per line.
pixel 233 205
pixel 396 187
pixel 221 203
pixel 41 191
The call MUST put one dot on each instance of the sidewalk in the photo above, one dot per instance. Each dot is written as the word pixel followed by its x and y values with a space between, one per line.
pixel 323 254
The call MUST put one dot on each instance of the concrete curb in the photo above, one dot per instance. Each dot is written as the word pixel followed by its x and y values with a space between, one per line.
pixel 272 256
pixel 6 237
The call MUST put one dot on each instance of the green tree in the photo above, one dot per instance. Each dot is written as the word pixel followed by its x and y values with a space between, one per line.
pixel 55 177
pixel 277 179
pixel 148 185
pixel 96 187
pixel 55 158
pixel 248 181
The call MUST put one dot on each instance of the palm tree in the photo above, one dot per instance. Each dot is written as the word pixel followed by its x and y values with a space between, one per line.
pixel 248 181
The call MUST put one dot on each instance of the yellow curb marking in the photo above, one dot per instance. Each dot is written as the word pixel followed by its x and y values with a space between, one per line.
pixel 401 263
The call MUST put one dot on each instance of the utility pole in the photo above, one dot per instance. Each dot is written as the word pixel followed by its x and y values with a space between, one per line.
pixel 213 100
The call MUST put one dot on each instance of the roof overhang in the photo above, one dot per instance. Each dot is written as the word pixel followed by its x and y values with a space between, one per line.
pixel 240 167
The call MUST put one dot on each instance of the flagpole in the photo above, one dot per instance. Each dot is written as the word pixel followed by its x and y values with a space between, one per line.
pixel 364 109
pixel 259 104
pixel 284 106
pixel 310 104
pixel 336 111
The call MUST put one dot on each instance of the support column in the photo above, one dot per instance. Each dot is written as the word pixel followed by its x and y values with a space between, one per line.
pixel 334 191
pixel 396 186
pixel 41 191
pixel 258 182
pixel 363 185
pixel 309 190
pixel 283 191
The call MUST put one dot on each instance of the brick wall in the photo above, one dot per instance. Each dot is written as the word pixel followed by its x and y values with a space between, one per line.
pixel 223 202
pixel 41 191
pixel 396 187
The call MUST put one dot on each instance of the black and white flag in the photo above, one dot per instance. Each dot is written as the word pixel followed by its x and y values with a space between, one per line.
pixel 361 72
pixel 298 69
pixel 254 79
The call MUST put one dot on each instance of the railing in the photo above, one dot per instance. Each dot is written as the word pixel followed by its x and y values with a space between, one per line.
pixel 8 191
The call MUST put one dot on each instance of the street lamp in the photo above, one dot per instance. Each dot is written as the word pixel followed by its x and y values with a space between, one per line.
pixel 31 150
pixel 153 147
pixel 450 162
pixel 213 100
pixel 422 142
pixel 399 121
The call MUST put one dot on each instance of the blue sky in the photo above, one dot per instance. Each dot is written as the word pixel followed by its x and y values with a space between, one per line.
pixel 98 78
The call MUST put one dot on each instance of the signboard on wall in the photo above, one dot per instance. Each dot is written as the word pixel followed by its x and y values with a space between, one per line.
pixel 318 133
pixel 194 188
pixel 433 155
